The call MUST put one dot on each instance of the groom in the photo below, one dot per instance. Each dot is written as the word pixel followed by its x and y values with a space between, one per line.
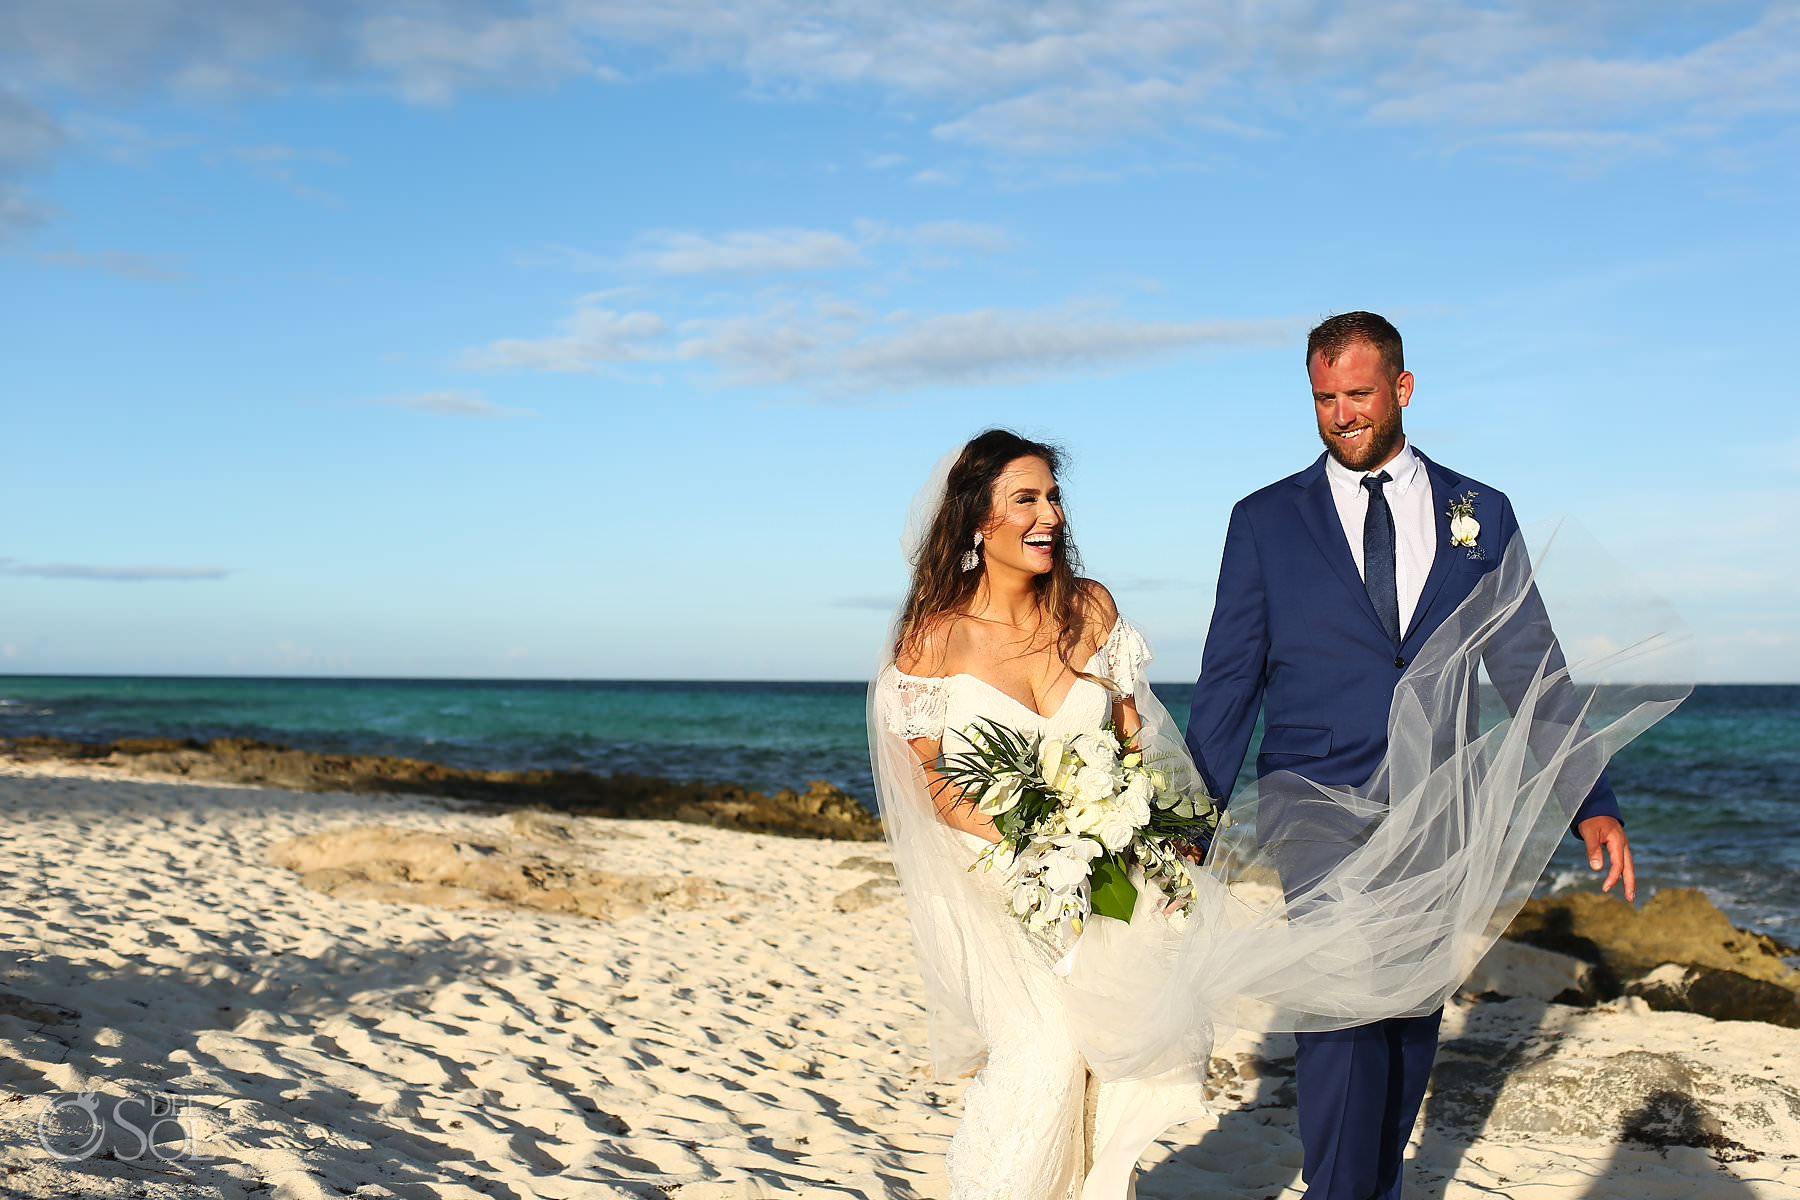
pixel 1330 582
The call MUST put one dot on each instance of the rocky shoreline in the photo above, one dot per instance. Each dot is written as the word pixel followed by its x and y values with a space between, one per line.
pixel 821 811
pixel 1678 953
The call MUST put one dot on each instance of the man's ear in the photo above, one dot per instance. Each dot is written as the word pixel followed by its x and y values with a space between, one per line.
pixel 1403 386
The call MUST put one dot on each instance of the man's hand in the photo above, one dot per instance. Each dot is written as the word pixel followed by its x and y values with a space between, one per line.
pixel 1605 839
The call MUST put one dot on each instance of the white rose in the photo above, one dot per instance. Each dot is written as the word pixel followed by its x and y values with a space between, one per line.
pixel 1135 800
pixel 1087 748
pixel 1093 783
pixel 1116 828
pixel 1081 817
pixel 1464 530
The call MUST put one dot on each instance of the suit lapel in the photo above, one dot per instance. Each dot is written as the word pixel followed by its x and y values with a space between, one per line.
pixel 1443 483
pixel 1319 513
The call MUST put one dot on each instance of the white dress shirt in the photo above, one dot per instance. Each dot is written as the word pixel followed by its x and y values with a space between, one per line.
pixel 1415 521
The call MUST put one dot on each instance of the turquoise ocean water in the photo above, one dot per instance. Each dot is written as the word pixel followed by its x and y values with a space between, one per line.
pixel 1712 794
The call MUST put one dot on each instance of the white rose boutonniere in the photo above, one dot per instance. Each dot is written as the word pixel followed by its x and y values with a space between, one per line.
pixel 1464 528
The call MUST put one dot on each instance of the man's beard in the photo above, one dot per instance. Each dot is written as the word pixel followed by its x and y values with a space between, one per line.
pixel 1379 446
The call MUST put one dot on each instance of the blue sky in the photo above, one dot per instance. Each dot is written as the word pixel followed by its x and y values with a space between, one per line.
pixel 578 339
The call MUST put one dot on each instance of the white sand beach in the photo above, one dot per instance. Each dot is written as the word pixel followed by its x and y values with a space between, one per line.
pixel 741 1037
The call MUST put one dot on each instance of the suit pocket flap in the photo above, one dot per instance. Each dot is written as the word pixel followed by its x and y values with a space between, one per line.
pixel 1308 740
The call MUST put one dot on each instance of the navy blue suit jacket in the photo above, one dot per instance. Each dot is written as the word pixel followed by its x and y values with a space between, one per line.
pixel 1295 635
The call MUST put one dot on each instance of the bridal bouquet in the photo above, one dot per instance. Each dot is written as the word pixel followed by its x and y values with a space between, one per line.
pixel 1074 815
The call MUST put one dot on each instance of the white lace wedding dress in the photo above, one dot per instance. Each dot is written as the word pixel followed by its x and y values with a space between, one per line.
pixel 1025 1115
pixel 1318 907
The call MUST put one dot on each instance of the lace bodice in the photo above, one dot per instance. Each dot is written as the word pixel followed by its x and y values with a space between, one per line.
pixel 924 706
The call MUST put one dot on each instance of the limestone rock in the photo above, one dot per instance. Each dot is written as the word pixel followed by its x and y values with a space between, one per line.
pixel 1679 953
pixel 821 811
pixel 1639 1095
pixel 876 866
pixel 1721 995
pixel 33 1012
pixel 412 866
pixel 1519 969
pixel 1676 925
pixel 866 894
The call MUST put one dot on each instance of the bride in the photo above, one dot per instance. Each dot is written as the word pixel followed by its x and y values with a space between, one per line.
pixel 999 624
pixel 1317 908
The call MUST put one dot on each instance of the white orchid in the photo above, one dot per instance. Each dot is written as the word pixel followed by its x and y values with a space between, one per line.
pixel 1001 796
pixel 1028 897
pixel 996 856
pixel 1464 528
pixel 1066 860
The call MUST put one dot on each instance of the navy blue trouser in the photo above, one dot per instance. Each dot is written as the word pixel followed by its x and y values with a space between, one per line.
pixel 1359 1091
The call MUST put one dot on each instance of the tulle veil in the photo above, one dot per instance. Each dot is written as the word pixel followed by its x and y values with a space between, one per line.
pixel 1319 907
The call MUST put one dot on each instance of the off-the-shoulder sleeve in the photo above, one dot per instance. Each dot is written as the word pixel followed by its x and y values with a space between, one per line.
pixel 913 706
pixel 1125 656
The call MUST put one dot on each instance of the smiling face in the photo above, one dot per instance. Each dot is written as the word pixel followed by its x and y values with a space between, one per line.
pixel 1025 520
pixel 1358 406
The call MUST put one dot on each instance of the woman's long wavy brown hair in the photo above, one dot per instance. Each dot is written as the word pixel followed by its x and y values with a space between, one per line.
pixel 940 586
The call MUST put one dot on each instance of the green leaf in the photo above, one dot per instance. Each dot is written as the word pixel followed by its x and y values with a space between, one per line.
pixel 1110 892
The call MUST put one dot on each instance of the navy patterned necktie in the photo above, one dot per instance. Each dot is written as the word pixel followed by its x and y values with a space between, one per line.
pixel 1378 556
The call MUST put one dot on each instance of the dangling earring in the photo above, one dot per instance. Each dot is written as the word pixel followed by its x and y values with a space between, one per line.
pixel 972 558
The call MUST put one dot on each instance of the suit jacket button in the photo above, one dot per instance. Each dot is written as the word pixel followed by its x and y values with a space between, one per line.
pixel 1399 662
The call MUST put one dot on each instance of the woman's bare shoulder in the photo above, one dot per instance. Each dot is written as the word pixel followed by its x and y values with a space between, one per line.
pixel 1101 600
pixel 1101 612
pixel 937 642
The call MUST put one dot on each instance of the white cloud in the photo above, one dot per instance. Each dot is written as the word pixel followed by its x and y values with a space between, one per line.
pixel 826 347
pixel 270 154
pixel 591 339
pixel 454 404
pixel 280 164
pixel 110 574
pixel 115 262
pixel 1064 118
pixel 669 254
pixel 29 139
pixel 1051 79
pixel 964 235
pixel 871 603
pixel 932 175
pixel 1750 70
pixel 985 345
pixel 18 210
pixel 28 135
pixel 883 162
pixel 743 252
pixel 431 58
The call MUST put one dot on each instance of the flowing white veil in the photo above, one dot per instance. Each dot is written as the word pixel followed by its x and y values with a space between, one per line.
pixel 1319 907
